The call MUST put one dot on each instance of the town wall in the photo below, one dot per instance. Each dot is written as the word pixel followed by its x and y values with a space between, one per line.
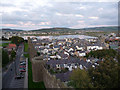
pixel 40 73
pixel 31 49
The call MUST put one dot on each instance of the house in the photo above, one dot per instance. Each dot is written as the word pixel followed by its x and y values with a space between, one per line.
pixel 64 77
pixel 11 47
pixel 71 64
pixel 56 47
pixel 79 48
pixel 81 53
pixel 94 47
pixel 71 49
pixel 62 55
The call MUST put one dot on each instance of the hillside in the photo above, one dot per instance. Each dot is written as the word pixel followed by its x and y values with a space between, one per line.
pixel 112 28
pixel 9 30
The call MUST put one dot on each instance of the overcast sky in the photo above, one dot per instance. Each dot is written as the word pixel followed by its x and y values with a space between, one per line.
pixel 29 14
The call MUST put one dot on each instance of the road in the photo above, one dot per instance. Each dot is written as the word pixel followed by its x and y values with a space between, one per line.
pixel 10 74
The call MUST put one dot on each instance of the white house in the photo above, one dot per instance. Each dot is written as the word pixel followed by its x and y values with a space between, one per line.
pixel 71 49
pixel 45 51
pixel 79 48
pixel 89 48
pixel 81 53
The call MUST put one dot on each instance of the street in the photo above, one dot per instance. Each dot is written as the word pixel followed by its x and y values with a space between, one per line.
pixel 8 80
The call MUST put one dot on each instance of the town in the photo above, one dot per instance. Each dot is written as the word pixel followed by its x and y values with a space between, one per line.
pixel 59 44
pixel 61 55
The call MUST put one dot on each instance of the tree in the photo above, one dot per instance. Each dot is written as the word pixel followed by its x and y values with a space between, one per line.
pixel 5 57
pixel 106 74
pixel 102 53
pixel 38 53
pixel 5 39
pixel 80 79
pixel 13 54
pixel 17 40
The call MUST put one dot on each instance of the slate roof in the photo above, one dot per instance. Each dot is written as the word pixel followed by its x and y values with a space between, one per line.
pixel 63 76
pixel 70 61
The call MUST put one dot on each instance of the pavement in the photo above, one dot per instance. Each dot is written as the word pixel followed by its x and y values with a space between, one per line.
pixel 26 75
pixel 8 78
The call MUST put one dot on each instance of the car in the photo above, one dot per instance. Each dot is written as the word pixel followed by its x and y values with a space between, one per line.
pixel 19 76
pixel 22 66
pixel 22 70
pixel 23 63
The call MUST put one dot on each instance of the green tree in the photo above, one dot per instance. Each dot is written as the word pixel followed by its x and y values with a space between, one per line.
pixel 80 79
pixel 38 53
pixel 102 53
pixel 13 54
pixel 106 74
pixel 5 57
pixel 17 40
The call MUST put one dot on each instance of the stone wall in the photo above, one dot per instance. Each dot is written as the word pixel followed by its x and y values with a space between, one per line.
pixel 31 49
pixel 37 70
pixel 40 73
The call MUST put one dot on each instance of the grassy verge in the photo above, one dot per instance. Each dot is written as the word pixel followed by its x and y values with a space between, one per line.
pixel 25 47
pixel 32 84
pixel 4 44
pixel 26 55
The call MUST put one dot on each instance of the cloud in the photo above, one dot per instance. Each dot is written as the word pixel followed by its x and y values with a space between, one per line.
pixel 79 15
pixel 72 15
pixel 94 18
pixel 100 9
pixel 44 23
pixel 80 21
pixel 30 14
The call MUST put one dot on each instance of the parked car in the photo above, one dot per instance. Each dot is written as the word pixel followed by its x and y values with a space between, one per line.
pixel 22 66
pixel 22 70
pixel 19 76
pixel 23 63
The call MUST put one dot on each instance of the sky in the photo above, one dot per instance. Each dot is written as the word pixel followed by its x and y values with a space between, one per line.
pixel 37 14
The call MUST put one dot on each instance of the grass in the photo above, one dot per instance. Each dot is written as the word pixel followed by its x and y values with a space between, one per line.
pixel 26 55
pixel 32 84
pixel 4 44
pixel 25 47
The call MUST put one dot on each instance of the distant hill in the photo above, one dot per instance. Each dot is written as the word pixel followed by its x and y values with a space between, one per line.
pixel 9 30
pixel 112 28
pixel 52 29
